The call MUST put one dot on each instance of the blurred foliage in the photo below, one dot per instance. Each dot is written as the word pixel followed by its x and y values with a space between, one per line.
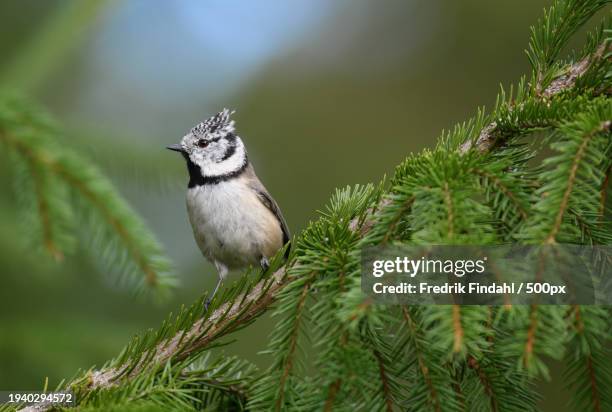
pixel 64 198
pixel 54 40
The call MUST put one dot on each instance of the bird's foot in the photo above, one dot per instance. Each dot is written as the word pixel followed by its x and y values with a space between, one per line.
pixel 265 264
pixel 208 300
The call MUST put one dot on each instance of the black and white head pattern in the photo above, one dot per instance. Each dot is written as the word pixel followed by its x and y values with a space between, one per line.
pixel 214 147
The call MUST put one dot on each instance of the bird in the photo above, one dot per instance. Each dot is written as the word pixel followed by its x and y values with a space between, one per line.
pixel 236 222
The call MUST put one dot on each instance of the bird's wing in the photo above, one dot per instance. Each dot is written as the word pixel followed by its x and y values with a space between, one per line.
pixel 269 202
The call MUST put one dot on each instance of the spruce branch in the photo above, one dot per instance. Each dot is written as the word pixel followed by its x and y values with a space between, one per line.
pixel 434 388
pixel 177 349
pixel 66 188
pixel 224 320
pixel 589 373
pixel 331 396
pixel 491 135
pixel 576 169
pixel 485 381
pixel 552 32
pixel 384 379
pixel 424 369
pixel 572 74
pixel 214 382
pixel 292 346
pixel 498 182
pixel 571 180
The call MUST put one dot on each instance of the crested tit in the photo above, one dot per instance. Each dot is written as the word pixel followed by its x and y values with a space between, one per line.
pixel 235 221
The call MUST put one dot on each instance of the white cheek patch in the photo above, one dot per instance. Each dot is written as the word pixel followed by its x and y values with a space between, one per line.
pixel 198 158
pixel 210 167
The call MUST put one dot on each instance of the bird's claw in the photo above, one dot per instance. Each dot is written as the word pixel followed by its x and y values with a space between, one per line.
pixel 265 264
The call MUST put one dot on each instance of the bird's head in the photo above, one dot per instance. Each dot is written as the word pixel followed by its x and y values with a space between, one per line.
pixel 213 146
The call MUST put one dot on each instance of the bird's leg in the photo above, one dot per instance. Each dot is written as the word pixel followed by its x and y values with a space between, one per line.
pixel 222 271
pixel 265 264
pixel 212 295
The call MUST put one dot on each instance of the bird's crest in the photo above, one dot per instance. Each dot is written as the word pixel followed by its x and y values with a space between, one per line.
pixel 215 126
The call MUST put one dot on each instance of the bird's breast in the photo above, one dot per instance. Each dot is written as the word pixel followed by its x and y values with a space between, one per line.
pixel 231 224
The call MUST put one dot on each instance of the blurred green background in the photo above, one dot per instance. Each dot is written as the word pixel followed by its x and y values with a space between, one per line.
pixel 327 94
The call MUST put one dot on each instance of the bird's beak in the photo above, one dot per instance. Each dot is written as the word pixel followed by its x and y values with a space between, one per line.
pixel 176 148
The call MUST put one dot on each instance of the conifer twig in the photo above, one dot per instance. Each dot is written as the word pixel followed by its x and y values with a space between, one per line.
pixel 56 172
pixel 489 135
pixel 222 321
pixel 551 238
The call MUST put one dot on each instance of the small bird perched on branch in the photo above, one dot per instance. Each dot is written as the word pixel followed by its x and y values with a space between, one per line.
pixel 235 221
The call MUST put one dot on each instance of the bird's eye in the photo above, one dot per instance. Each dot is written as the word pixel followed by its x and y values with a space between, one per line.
pixel 202 143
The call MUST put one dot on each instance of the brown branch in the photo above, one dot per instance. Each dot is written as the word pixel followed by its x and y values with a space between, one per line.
pixel 385 381
pixel 593 381
pixel 574 72
pixel 458 329
pixel 484 379
pixel 331 395
pixel 222 321
pixel 490 135
pixel 227 318
pixel 531 332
